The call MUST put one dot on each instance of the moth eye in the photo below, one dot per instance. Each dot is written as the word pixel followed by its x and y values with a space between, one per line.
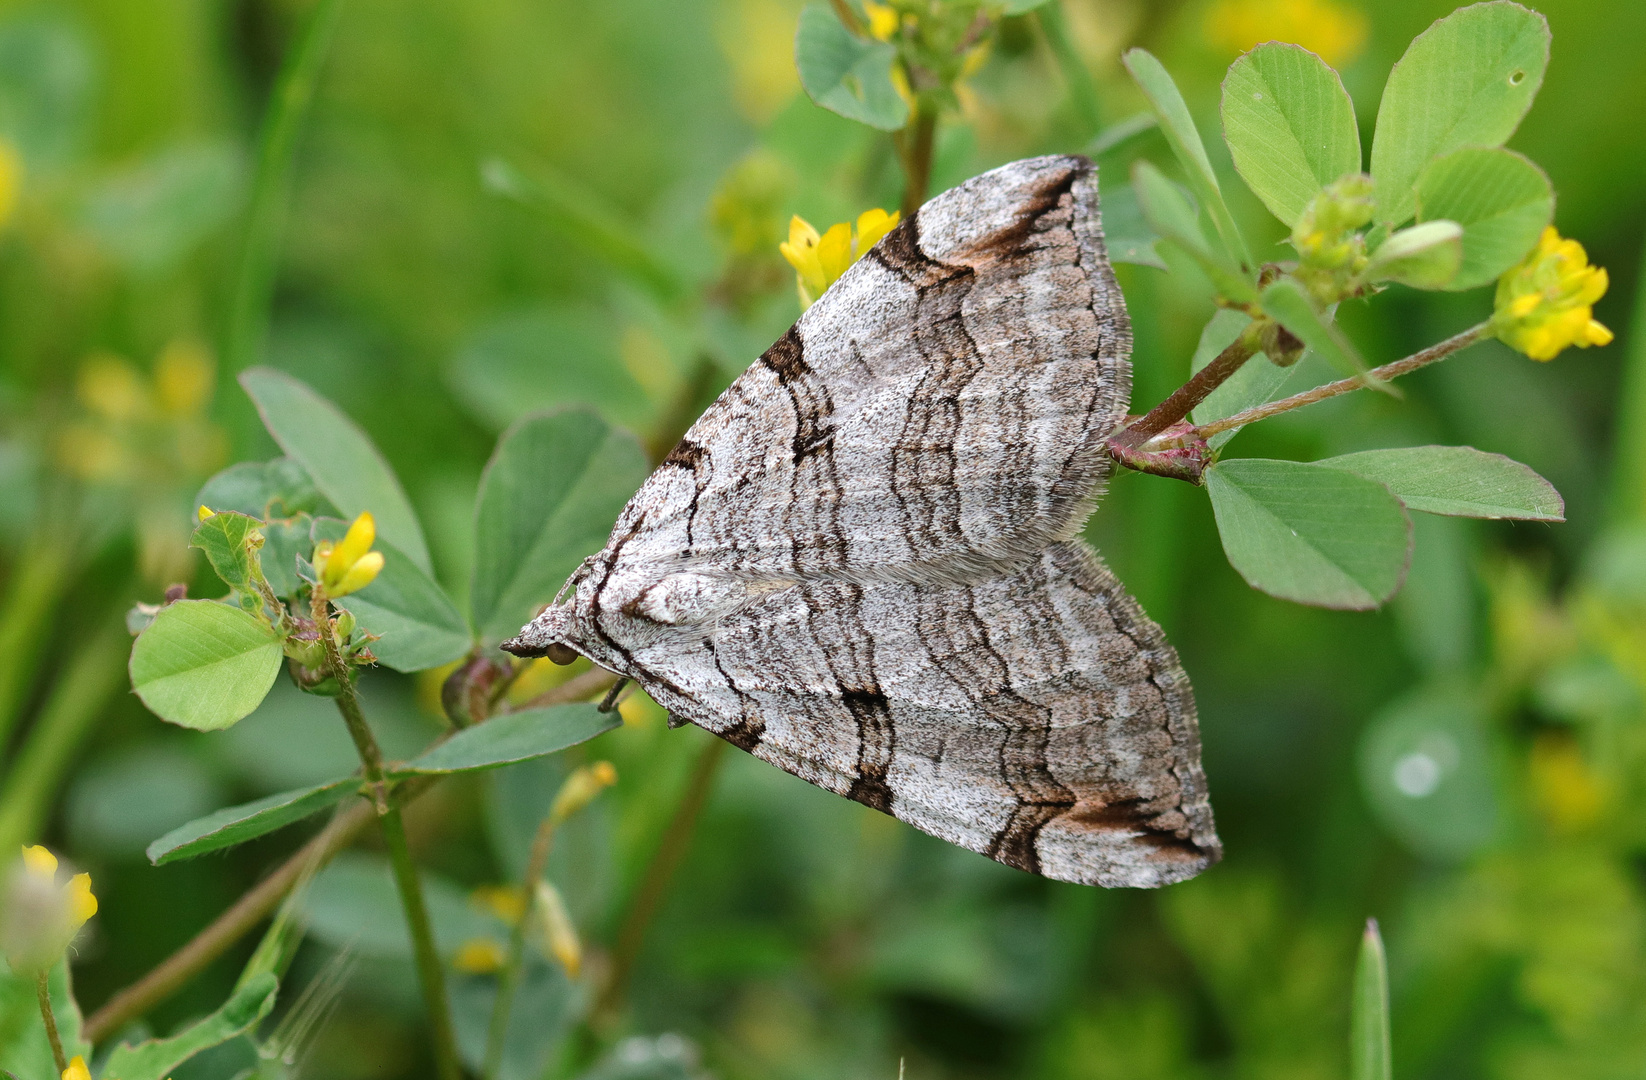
pixel 560 654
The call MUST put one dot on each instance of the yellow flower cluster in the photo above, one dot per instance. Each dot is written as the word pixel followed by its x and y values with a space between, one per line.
pixel 819 261
pixel 141 429
pixel 1547 302
pixel 39 917
pixel 349 565
pixel 1330 248
pixel 1333 31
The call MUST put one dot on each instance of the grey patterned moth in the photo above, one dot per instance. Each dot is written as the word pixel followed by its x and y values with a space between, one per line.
pixel 862 564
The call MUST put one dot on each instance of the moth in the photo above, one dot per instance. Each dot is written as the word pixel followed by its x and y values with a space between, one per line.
pixel 862 564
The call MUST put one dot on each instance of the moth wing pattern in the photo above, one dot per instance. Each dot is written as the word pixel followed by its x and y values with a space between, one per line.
pixel 941 407
pixel 1038 717
pixel 860 563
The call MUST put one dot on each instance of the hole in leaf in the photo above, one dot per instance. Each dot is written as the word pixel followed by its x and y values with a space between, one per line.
pixel 1516 78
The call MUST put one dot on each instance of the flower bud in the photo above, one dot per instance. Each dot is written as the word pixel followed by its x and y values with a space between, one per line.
pixel 38 916
pixel 580 789
pixel 557 936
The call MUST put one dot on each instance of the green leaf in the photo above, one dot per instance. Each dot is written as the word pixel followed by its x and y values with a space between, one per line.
pixel 285 540
pixel 238 824
pixel 1465 81
pixel 1168 211
pixel 155 1059
pixel 1289 124
pixel 353 904
pixel 1127 237
pixel 1309 533
pixel 420 626
pixel 1018 7
pixel 346 467
pixel 225 537
pixel 1458 481
pixel 548 499
pixel 847 74
pixel 1425 256
pixel 1286 303
pixel 1369 1057
pixel 149 215
pixel 1502 201
pixel 498 372
pixel 512 737
pixel 24 1049
pixel 1255 383
pixel 265 490
pixel 1181 135
pixel 203 664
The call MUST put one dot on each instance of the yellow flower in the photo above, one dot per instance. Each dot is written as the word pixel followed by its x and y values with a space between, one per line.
pixel 1547 302
pixel 349 565
pixel 112 388
pixel 883 19
pixel 1570 794
pixel 11 180
pixel 77 1069
pixel 580 789
pixel 506 902
pixel 39 917
pixel 183 378
pixel 819 261
pixel 1333 31
pixel 478 956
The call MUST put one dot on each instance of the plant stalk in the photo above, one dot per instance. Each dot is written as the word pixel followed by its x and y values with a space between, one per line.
pixel 508 982
pixel 276 147
pixel 848 18
pixel 671 850
pixel 42 990
pixel 1082 91
pixel 172 973
pixel 915 145
pixel 83 687
pixel 1433 353
pixel 31 600
pixel 1183 400
pixel 429 971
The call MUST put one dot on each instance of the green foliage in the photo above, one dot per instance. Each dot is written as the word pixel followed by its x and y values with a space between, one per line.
pixel 1287 304
pixel 155 1059
pixel 352 904
pixel 1308 533
pixel 345 466
pixel 231 543
pixel 549 495
pixel 1466 81
pixel 1426 256
pixel 1184 139
pixel 238 824
pixel 1168 212
pixel 1502 201
pixel 1289 124
pixel 418 624
pixel 847 74
pixel 204 665
pixel 1458 481
pixel 267 490
pixel 24 1050
pixel 513 737
pixel 1369 1015
pixel 1255 383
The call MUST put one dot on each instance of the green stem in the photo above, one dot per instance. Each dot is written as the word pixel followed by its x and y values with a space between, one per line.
pixel 83 687
pixel 429 972
pixel 1082 91
pixel 36 584
pixel 42 990
pixel 677 837
pixel 276 147
pixel 508 982
pixel 1628 494
pixel 915 147
pixel 1432 354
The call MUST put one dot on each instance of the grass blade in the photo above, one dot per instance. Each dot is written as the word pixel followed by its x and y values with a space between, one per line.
pixel 1369 1010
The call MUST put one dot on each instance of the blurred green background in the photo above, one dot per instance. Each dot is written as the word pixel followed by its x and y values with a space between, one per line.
pixel 1466 765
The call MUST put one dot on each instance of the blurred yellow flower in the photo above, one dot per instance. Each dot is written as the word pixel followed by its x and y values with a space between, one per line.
pixel 757 39
pixel 819 261
pixel 883 19
pixel 11 180
pixel 349 565
pixel 507 902
pixel 183 378
pixel 1546 303
pixel 111 387
pixel 39 917
pixel 580 789
pixel 77 1069
pixel 1333 31
pixel 1568 792
pixel 557 934
pixel 479 956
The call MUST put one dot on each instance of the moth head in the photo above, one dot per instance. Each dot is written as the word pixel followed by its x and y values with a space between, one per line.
pixel 547 635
